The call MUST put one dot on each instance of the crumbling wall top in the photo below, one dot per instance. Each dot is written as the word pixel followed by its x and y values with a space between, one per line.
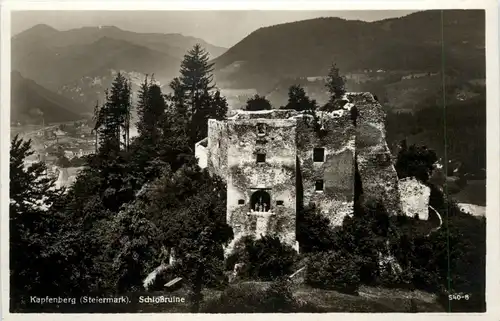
pixel 352 99
pixel 267 114
pixel 367 107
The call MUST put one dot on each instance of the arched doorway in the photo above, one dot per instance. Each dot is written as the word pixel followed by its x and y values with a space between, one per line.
pixel 260 201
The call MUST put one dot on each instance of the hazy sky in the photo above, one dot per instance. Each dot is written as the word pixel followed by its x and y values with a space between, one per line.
pixel 222 28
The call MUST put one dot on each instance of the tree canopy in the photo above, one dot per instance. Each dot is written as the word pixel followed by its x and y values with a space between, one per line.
pixel 298 100
pixel 335 83
pixel 258 103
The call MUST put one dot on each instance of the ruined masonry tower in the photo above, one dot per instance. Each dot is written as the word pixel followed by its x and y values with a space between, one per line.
pixel 276 161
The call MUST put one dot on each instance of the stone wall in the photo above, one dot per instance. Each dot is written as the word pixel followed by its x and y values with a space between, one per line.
pixel 289 172
pixel 201 152
pixel 378 175
pixel 264 114
pixel 217 148
pixel 414 198
pixel 337 171
pixel 276 176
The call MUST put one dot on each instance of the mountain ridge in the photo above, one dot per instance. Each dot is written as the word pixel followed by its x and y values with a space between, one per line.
pixel 299 49
pixel 29 101
pixel 78 62
pixel 89 34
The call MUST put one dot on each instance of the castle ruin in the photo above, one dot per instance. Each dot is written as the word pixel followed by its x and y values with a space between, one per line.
pixel 276 161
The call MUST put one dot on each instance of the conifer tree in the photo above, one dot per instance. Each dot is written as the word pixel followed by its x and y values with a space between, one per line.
pixel 150 109
pixel 194 97
pixel 127 110
pixel 97 123
pixel 112 161
pixel 195 81
pixel 335 83
pixel 114 117
pixel 219 106
pixel 196 72
pixel 151 150
pixel 211 105
pixel 178 98
pixel 34 230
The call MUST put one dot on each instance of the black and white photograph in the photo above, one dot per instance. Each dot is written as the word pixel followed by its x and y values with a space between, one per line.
pixel 247 161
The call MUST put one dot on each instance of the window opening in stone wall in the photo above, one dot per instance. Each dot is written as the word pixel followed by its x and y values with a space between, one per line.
pixel 319 155
pixel 261 158
pixel 279 203
pixel 319 185
pixel 241 202
pixel 261 129
pixel 260 201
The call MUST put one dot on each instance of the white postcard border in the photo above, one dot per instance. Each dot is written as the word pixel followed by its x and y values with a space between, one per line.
pixel 493 142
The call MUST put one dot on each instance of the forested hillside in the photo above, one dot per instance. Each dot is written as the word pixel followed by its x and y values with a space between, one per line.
pixel 31 103
pixel 306 48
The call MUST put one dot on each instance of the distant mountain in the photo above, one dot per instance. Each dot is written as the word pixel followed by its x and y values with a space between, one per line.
pixel 173 44
pixel 307 48
pixel 79 62
pixel 30 101
pixel 54 67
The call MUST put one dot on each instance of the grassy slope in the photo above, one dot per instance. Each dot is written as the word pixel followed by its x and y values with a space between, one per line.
pixel 370 299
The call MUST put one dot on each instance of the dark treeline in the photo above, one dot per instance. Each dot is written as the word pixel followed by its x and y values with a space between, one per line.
pixel 134 200
pixel 457 129
pixel 334 84
pixel 139 200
